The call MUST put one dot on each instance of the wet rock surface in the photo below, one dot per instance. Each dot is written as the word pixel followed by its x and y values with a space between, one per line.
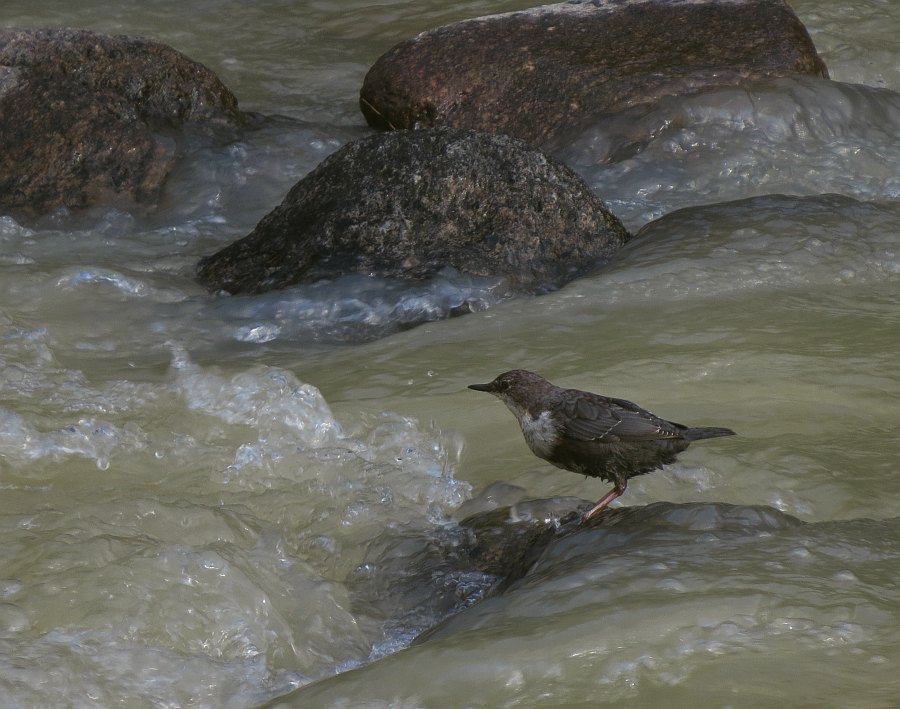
pixel 422 579
pixel 546 71
pixel 415 578
pixel 410 203
pixel 508 541
pixel 87 118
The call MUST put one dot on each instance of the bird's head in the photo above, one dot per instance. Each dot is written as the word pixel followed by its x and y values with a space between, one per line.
pixel 519 389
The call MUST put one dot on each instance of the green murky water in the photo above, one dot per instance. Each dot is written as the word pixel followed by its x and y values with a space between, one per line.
pixel 190 485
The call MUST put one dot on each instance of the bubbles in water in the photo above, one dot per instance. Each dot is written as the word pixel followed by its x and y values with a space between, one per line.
pixel 258 334
pixel 133 287
pixel 21 442
pixel 234 576
pixel 352 308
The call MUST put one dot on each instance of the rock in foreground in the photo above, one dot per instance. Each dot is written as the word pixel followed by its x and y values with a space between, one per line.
pixel 408 204
pixel 87 118
pixel 541 72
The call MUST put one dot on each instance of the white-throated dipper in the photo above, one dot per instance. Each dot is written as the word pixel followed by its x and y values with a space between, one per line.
pixel 611 439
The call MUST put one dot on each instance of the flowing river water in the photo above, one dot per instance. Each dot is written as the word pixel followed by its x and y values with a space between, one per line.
pixel 222 502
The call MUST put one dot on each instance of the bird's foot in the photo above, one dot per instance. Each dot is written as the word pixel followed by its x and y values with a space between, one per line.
pixel 601 504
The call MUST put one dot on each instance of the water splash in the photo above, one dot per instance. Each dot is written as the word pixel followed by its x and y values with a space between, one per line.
pixel 795 136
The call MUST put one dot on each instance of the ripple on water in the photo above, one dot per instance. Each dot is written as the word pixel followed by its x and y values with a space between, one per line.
pixel 763 243
pixel 799 136
pixel 210 535
pixel 616 612
pixel 352 308
pixel 192 535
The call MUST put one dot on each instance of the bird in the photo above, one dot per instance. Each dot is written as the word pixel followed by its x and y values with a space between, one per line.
pixel 594 435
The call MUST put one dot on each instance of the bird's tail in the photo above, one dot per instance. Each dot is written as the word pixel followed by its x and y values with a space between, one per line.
pixel 696 434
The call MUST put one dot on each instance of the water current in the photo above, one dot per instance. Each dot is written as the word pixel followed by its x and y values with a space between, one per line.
pixel 226 502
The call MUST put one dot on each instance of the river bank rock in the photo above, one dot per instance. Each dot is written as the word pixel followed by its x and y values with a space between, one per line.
pixel 87 118
pixel 408 204
pixel 542 72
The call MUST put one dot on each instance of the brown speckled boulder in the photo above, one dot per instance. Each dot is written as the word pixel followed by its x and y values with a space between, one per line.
pixel 407 204
pixel 549 70
pixel 87 118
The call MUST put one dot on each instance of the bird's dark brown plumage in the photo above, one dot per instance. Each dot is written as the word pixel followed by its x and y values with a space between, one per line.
pixel 594 435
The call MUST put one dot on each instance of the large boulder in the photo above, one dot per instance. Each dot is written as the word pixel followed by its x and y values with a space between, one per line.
pixel 541 72
pixel 410 203
pixel 87 118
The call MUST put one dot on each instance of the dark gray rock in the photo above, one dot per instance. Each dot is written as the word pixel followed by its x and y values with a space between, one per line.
pixel 547 70
pixel 410 203
pixel 416 581
pixel 87 118
pixel 558 542
pixel 506 541
pixel 411 579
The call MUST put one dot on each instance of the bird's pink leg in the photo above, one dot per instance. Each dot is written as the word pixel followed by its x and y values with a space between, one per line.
pixel 604 501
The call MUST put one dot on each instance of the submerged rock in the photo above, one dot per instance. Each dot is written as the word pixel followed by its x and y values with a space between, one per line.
pixel 411 579
pixel 87 118
pixel 416 583
pixel 410 203
pixel 547 70
pixel 506 542
pixel 540 548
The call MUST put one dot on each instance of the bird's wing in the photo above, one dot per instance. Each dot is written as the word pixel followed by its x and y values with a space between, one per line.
pixel 591 417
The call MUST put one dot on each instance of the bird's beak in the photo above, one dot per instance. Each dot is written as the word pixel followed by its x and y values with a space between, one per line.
pixel 481 387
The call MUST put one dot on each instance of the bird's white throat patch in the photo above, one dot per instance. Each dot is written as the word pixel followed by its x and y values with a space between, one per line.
pixel 540 433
